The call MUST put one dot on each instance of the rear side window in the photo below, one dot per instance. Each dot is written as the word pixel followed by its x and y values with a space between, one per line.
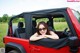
pixel 42 19
pixel 16 21
pixel 18 27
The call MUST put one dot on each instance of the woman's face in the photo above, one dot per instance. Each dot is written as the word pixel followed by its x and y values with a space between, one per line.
pixel 42 29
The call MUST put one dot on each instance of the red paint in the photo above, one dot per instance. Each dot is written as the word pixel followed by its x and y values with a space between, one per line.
pixel 34 48
pixel 22 42
pixel 74 21
pixel 10 30
pixel 41 49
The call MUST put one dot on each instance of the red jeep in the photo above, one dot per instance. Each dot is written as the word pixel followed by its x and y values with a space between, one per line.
pixel 17 39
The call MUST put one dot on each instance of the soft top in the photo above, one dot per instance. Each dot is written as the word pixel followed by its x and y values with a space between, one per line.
pixel 40 13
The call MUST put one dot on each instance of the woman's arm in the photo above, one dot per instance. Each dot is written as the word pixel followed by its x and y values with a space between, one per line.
pixel 52 36
pixel 35 37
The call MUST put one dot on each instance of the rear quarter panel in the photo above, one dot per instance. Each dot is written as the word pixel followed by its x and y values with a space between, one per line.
pixel 23 42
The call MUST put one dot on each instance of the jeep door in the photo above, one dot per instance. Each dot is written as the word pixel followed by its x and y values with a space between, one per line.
pixel 66 33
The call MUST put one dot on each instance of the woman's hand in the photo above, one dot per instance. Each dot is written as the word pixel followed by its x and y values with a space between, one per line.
pixel 52 36
pixel 47 36
pixel 42 36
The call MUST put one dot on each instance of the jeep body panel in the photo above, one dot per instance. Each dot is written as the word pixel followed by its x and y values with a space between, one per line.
pixel 24 43
pixel 73 44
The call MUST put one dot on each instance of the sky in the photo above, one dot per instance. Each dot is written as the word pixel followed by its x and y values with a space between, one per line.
pixel 14 7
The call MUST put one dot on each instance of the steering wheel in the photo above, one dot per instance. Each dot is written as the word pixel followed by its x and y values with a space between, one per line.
pixel 65 32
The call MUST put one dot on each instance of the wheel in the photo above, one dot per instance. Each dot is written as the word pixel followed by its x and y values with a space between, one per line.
pixel 13 51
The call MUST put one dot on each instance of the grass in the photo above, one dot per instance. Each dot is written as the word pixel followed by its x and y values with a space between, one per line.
pixel 3 29
pixel 60 26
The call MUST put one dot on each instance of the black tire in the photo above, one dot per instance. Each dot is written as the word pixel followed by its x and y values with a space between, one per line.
pixel 13 51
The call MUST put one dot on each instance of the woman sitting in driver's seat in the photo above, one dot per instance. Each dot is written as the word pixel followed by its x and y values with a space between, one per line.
pixel 43 32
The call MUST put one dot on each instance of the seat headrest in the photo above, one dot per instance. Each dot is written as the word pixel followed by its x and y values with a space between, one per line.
pixel 20 24
pixel 34 23
pixel 48 23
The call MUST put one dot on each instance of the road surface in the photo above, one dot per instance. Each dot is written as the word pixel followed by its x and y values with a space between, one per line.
pixel 2 50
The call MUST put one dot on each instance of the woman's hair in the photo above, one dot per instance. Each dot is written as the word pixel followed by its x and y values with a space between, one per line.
pixel 45 25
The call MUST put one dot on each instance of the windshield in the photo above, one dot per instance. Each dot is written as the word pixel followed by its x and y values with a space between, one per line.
pixel 77 15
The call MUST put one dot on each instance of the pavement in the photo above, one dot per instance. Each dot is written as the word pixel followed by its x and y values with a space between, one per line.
pixel 2 50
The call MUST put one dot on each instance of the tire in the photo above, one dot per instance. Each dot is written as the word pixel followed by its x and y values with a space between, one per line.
pixel 13 51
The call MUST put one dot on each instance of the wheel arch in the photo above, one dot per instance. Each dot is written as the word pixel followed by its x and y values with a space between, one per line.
pixel 14 46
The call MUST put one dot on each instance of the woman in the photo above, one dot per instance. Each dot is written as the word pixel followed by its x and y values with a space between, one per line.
pixel 43 32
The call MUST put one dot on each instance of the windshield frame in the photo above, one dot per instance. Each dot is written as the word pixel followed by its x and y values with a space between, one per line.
pixel 76 14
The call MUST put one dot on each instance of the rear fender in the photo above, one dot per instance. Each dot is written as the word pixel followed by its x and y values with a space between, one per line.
pixel 13 46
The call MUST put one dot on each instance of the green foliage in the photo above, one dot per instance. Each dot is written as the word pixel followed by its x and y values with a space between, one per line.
pixel 18 20
pixel 3 32
pixel 0 19
pixel 43 19
pixel 60 26
pixel 5 18
pixel 59 20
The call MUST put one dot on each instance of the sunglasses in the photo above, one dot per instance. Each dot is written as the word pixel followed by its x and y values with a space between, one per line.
pixel 42 29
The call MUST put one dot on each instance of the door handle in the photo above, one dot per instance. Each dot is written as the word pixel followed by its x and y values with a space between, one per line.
pixel 35 48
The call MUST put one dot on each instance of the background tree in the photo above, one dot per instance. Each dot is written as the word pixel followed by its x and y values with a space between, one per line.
pixel 5 18
pixel 0 19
